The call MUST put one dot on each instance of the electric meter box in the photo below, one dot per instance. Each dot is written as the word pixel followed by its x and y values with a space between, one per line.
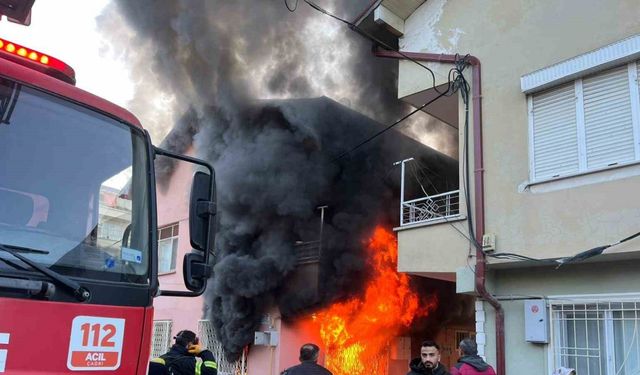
pixel 267 338
pixel 536 321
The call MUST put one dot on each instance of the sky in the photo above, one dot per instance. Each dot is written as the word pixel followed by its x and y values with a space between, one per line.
pixel 66 29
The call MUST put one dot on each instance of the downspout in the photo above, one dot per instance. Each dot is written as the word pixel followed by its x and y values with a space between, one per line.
pixel 478 186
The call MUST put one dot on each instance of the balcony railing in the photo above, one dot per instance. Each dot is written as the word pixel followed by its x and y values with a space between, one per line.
pixel 432 208
pixel 307 252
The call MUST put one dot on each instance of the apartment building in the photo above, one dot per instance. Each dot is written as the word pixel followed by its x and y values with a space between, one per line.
pixel 553 148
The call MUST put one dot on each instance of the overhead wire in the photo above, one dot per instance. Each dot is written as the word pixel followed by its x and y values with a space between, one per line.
pixel 377 134
pixel 464 92
pixel 295 6
pixel 372 38
pixel 448 92
pixel 455 84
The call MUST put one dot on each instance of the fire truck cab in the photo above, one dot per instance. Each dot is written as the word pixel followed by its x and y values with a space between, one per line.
pixel 76 296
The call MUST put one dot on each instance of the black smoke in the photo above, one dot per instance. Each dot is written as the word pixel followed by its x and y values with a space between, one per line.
pixel 275 159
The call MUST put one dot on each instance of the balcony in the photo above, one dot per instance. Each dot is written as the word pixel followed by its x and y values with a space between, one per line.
pixel 430 240
pixel 430 209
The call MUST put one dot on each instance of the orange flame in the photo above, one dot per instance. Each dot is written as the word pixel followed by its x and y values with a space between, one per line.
pixel 357 333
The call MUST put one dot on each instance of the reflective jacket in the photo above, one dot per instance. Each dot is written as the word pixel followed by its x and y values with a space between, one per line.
pixel 178 361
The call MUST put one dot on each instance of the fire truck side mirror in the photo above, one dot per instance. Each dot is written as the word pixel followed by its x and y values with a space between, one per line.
pixel 195 272
pixel 202 212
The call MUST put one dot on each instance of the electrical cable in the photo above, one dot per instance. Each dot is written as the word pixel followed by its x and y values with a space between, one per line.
pixel 364 142
pixel 464 90
pixel 435 213
pixel 377 41
pixel 286 3
pixel 355 28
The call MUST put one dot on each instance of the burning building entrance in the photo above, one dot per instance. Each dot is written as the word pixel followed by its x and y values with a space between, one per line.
pixel 358 333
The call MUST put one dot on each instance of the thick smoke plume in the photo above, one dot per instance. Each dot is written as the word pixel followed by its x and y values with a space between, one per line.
pixel 234 68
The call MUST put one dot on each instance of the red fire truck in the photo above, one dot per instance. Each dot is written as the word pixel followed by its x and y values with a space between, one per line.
pixel 72 166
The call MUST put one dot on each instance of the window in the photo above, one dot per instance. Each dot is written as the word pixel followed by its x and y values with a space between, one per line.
pixel 589 124
pixel 161 340
pixel 597 338
pixel 167 248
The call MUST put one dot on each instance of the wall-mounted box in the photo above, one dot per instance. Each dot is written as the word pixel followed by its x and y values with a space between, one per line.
pixel 536 321
pixel 268 338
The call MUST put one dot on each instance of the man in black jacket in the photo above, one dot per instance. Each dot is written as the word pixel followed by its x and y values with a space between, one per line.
pixel 429 361
pixel 181 359
pixel 309 362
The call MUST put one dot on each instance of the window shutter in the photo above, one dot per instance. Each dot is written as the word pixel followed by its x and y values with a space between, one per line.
pixel 555 135
pixel 608 119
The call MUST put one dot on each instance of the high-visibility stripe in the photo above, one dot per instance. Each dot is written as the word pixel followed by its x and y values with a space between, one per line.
pixel 158 360
pixel 198 366
pixel 211 364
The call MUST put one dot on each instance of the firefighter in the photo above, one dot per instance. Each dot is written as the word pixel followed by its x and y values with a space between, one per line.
pixel 181 359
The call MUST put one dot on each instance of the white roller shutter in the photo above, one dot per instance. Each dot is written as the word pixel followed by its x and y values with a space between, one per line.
pixel 608 121
pixel 554 133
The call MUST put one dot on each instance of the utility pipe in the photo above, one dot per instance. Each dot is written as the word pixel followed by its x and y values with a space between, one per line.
pixel 478 185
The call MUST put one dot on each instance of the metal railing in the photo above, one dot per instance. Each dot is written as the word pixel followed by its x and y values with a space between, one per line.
pixel 307 252
pixel 210 341
pixel 430 208
pixel 161 340
pixel 598 338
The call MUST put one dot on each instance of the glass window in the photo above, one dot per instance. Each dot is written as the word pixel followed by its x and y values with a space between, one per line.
pixel 586 125
pixel 73 188
pixel 167 248
pixel 598 338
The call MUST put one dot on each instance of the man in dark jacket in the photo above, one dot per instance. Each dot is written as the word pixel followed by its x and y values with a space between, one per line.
pixel 470 363
pixel 308 362
pixel 429 361
pixel 181 359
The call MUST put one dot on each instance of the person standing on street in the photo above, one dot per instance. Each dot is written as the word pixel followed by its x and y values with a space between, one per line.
pixel 470 363
pixel 429 361
pixel 308 362
pixel 181 359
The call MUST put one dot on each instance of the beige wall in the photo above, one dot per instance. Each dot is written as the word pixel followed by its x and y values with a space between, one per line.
pixel 513 38
pixel 430 251
pixel 525 358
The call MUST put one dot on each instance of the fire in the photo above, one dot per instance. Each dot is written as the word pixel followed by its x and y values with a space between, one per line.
pixel 357 333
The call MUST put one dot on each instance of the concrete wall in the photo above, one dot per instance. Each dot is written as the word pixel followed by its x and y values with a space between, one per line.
pixel 513 38
pixel 434 249
pixel 173 207
pixel 525 358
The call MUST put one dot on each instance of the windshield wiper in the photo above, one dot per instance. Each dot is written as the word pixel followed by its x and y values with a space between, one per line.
pixel 25 249
pixel 81 293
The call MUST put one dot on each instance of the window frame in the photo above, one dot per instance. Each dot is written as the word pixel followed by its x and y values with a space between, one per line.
pixel 633 69
pixel 608 318
pixel 175 234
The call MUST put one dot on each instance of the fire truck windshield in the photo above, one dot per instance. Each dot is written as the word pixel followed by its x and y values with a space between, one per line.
pixel 74 189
